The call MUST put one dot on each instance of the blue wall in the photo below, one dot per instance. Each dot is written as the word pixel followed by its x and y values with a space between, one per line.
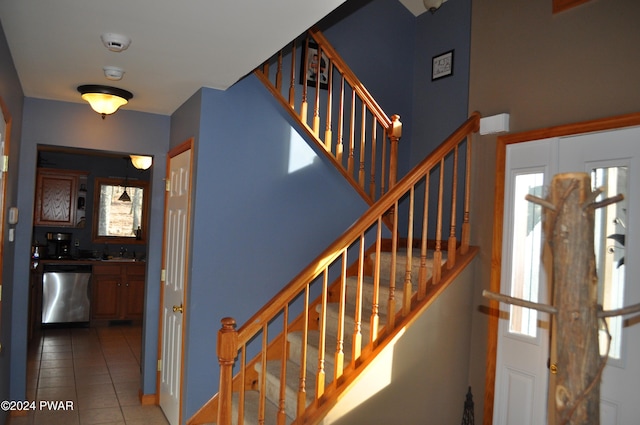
pixel 440 106
pixel 13 97
pixel 257 223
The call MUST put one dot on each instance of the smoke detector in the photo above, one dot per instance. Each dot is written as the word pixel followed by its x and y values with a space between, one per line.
pixel 115 42
pixel 113 73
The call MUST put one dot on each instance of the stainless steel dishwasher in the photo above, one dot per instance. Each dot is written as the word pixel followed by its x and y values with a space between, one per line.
pixel 66 293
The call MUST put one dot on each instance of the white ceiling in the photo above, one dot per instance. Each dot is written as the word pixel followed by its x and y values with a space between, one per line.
pixel 177 46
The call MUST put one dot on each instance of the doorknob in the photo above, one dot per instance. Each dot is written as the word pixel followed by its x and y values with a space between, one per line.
pixel 177 308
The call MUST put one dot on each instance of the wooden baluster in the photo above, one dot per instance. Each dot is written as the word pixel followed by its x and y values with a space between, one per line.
pixel 357 329
pixel 437 255
pixel 292 77
pixel 339 141
pixel 262 403
pixel 327 129
pixel 451 246
pixel 265 69
pixel 361 170
pixel 372 174
pixel 316 103
pixel 282 415
pixel 422 278
pixel 391 313
pixel 321 375
pixel 304 106
pixel 406 299
pixel 395 132
pixel 375 316
pixel 352 123
pixel 302 387
pixel 242 377
pixel 466 227
pixel 227 348
pixel 339 356
pixel 279 72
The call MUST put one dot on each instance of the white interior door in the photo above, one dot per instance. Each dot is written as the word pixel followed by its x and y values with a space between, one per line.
pixel 175 273
pixel 613 159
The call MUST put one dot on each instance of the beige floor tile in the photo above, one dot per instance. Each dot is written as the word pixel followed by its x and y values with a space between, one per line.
pixel 56 393
pixel 48 364
pixel 57 355
pixel 151 414
pixel 87 381
pixel 97 401
pixel 100 416
pixel 53 372
pixel 56 417
pixel 98 369
pixel 56 381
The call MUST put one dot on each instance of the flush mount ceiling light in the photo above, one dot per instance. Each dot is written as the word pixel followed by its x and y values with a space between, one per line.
pixel 433 5
pixel 104 100
pixel 141 162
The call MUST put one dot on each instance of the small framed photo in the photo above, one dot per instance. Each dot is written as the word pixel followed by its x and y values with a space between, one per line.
pixel 316 67
pixel 442 65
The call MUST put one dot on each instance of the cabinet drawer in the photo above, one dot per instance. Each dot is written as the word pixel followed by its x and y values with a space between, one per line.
pixel 135 270
pixel 107 269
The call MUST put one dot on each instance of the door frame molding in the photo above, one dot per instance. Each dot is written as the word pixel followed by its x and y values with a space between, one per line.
pixel 610 123
pixel 181 148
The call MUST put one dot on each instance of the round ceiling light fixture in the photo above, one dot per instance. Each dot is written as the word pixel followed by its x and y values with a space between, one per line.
pixel 105 100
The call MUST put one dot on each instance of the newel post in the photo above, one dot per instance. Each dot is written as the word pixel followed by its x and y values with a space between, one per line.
pixel 395 133
pixel 227 352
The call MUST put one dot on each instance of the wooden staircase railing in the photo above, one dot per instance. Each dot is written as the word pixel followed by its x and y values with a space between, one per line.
pixel 432 198
pixel 357 136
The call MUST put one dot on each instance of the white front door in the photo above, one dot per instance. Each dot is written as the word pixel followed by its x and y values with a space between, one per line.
pixel 613 160
pixel 175 256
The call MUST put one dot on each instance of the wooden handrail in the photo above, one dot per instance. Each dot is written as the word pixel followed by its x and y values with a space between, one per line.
pixel 329 255
pixel 334 102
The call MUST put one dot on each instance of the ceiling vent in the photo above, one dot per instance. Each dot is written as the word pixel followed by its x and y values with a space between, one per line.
pixel 115 42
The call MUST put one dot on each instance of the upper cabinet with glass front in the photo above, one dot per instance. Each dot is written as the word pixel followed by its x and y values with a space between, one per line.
pixel 58 197
pixel 120 211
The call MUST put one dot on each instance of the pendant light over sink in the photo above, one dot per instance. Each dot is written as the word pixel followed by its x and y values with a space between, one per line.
pixel 105 100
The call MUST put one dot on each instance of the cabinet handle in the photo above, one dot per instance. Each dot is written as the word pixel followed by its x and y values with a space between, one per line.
pixel 177 308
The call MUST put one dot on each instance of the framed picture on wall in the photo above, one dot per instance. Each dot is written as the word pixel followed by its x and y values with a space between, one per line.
pixel 315 66
pixel 442 65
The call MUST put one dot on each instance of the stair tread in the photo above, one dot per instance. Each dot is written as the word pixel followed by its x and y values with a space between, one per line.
pixel 251 409
pixel 292 384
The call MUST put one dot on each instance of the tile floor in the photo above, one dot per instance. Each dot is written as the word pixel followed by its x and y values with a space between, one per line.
pixel 97 369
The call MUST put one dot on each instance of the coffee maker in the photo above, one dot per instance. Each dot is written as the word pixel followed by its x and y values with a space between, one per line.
pixel 59 245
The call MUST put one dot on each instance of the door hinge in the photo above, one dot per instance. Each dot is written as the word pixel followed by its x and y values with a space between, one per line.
pixel 163 275
pixel 167 185
pixel 160 365
pixel 5 163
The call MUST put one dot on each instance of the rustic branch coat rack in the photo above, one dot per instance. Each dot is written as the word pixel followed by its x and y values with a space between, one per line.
pixel 569 229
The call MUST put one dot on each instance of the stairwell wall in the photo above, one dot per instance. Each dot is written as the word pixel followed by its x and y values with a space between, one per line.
pixel 257 219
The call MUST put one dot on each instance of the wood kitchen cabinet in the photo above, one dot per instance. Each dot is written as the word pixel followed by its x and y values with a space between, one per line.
pixel 57 193
pixel 118 291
